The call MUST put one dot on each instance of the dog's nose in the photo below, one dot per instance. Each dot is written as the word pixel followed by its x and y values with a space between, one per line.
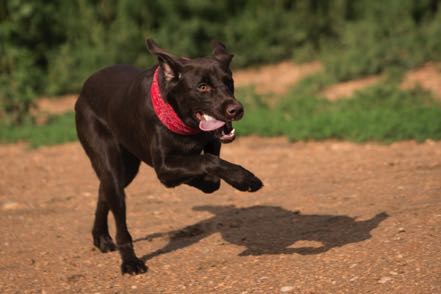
pixel 234 111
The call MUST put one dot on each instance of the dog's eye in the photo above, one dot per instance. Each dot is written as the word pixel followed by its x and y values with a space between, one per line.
pixel 202 87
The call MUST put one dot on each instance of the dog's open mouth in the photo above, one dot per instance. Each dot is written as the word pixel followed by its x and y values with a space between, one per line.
pixel 223 130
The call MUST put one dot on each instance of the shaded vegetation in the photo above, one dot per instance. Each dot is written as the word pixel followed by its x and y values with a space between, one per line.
pixel 50 47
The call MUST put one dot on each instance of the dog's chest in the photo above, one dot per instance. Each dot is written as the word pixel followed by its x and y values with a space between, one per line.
pixel 192 148
pixel 186 146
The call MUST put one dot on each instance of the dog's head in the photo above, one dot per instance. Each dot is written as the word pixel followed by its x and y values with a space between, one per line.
pixel 200 90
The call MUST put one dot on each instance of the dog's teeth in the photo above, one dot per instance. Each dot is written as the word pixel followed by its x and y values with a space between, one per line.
pixel 233 131
pixel 207 117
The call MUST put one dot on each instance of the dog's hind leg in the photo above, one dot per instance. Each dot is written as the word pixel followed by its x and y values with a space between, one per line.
pixel 100 231
pixel 86 130
pixel 115 168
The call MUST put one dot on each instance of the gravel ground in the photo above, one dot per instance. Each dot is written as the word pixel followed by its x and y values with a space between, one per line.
pixel 333 217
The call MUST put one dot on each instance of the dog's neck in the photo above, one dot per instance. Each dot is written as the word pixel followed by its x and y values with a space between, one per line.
pixel 165 112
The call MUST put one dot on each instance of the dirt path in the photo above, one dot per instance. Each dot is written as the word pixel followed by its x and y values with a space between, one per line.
pixel 332 218
pixel 427 77
pixel 275 78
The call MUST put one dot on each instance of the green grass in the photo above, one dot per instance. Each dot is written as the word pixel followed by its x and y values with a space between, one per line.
pixel 382 113
pixel 58 129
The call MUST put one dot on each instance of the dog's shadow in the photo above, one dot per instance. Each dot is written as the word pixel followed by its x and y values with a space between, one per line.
pixel 270 230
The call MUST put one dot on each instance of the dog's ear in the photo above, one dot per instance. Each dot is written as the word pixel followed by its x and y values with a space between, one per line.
pixel 221 54
pixel 171 65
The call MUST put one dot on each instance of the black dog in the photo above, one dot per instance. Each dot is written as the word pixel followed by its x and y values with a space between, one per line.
pixel 173 117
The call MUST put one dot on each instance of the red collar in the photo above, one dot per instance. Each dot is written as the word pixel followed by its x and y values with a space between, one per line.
pixel 165 111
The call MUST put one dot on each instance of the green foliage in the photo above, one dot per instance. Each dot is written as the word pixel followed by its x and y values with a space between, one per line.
pixel 50 47
pixel 19 77
pixel 382 113
pixel 400 35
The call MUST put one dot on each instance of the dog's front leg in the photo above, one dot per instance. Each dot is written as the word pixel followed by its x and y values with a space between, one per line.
pixel 208 183
pixel 175 170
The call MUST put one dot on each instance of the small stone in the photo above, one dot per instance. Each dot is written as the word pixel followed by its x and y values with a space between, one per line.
pixel 430 142
pixel 134 287
pixel 285 289
pixel 353 279
pixel 11 205
pixel 75 278
pixel 401 230
pixel 384 280
pixel 393 273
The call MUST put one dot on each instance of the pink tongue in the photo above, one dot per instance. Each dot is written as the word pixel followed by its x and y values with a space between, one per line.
pixel 210 125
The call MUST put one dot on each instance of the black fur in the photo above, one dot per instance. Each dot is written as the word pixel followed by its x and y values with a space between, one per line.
pixel 118 129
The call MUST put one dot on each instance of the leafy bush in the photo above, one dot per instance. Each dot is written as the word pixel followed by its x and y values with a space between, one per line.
pixel 50 47
pixel 399 35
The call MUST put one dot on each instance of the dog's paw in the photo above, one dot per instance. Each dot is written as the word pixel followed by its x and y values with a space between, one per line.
pixel 104 243
pixel 133 267
pixel 251 184
pixel 254 184
pixel 245 180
